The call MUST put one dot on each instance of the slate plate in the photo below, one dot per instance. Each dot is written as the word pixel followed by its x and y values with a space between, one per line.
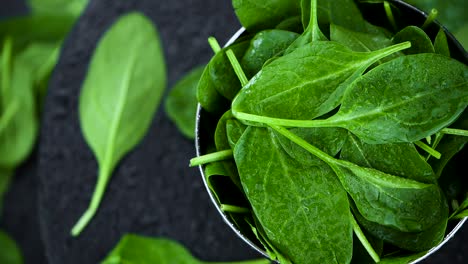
pixel 153 191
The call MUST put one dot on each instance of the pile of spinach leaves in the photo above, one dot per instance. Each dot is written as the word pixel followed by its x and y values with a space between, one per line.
pixel 336 137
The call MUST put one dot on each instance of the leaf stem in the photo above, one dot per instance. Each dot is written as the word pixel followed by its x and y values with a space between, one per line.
pixel 389 12
pixel 430 18
pixel 455 132
pixel 237 67
pixel 362 237
pixel 317 35
pixel 234 209
pixel 102 180
pixel 214 44
pixel 282 122
pixel 428 149
pixel 212 157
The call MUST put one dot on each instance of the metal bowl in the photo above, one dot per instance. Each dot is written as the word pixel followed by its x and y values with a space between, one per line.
pixel 203 134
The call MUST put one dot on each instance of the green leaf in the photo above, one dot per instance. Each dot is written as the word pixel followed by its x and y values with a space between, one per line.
pixel 441 45
pixel 380 197
pixel 264 46
pixel 10 253
pixel 181 103
pixel 71 7
pixel 207 95
pixel 294 202
pixel 257 15
pixel 306 83
pixel 234 129
pixel 359 41
pixel 121 93
pixel 19 121
pixel 133 249
pixel 420 41
pixel 402 260
pixel 400 159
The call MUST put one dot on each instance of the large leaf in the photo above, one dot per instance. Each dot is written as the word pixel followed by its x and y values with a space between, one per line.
pixel 302 208
pixel 72 7
pixel 306 83
pixel 122 90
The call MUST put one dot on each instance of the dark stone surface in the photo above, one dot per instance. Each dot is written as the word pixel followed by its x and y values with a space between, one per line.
pixel 153 192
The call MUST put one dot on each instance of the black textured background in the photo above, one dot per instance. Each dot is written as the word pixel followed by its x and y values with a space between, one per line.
pixel 152 192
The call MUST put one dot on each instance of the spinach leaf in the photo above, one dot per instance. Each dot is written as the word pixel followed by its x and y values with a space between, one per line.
pixel 264 46
pixel 387 105
pixel 18 122
pixel 293 24
pixel 307 82
pixel 294 202
pixel 400 159
pixel 123 87
pixel 224 78
pixel 10 253
pixel 359 41
pixel 412 241
pixel 181 103
pixel 208 96
pixel 257 15
pixel 420 41
pixel 133 249
pixel 71 7
pixel 380 197
pixel 441 45
pixel 234 130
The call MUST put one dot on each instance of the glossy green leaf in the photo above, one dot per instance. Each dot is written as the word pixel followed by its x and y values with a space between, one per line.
pixel 207 95
pixel 359 41
pixel 441 45
pixel 420 41
pixel 133 249
pixel 295 87
pixel 181 103
pixel 257 15
pixel 293 24
pixel 396 202
pixel 412 241
pixel 18 121
pixel 222 74
pixel 400 159
pixel 122 90
pixel 302 208
pixel 264 46
pixel 234 129
pixel 10 253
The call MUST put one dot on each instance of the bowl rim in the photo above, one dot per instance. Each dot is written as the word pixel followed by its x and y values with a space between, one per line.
pixel 225 217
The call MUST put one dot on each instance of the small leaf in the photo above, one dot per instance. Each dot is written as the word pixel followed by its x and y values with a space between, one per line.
pixel 10 253
pixel 123 87
pixel 181 103
pixel 441 45
pixel 420 41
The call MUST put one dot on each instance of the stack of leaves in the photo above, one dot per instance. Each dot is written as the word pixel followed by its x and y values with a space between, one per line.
pixel 336 134
pixel 29 52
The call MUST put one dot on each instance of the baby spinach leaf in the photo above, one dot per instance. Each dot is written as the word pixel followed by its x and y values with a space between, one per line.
pixel 71 7
pixel 420 41
pixel 234 129
pixel 18 122
pixel 222 74
pixel 264 46
pixel 295 87
pixel 181 103
pixel 258 15
pixel 133 249
pixel 10 253
pixel 400 159
pixel 302 208
pixel 441 45
pixel 120 96
pixel 359 41
pixel 412 241
pixel 380 197
pixel 293 24
pixel 208 96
